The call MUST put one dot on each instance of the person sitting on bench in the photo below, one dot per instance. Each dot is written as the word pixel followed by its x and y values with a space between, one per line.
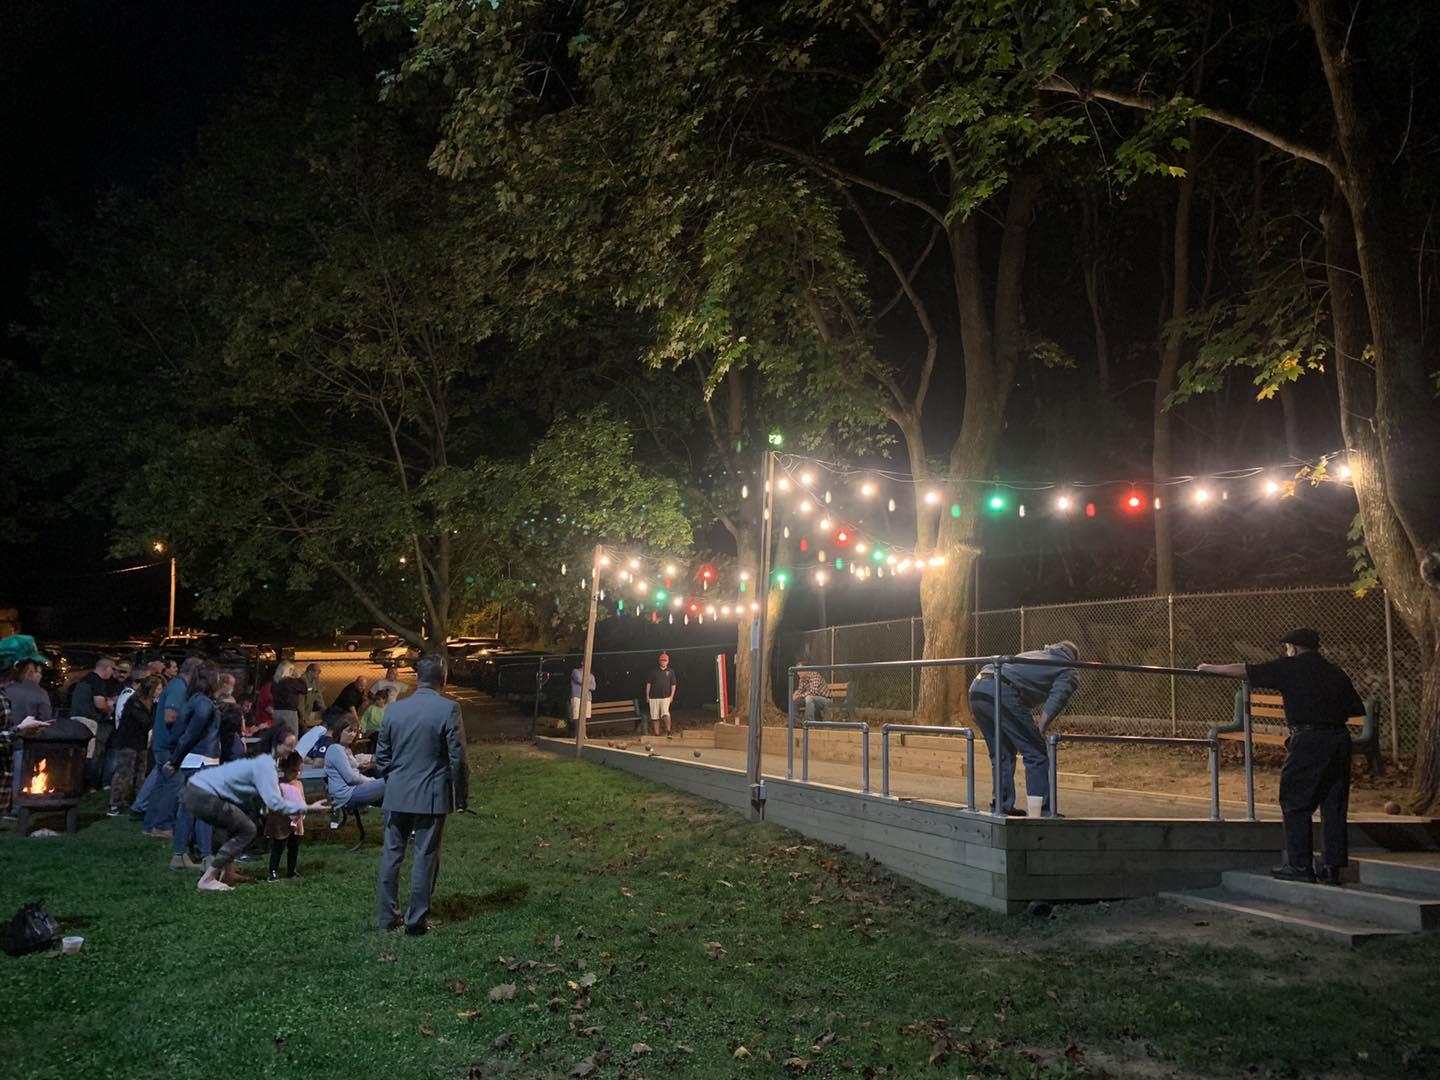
pixel 814 691
pixel 1318 698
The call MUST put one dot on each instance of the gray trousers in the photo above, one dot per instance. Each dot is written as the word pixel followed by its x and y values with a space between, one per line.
pixel 233 828
pixel 424 868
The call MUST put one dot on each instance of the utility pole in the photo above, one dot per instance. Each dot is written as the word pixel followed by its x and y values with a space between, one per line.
pixel 159 548
pixel 583 713
pixel 754 745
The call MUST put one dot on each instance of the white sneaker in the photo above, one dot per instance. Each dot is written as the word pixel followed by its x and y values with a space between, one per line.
pixel 212 886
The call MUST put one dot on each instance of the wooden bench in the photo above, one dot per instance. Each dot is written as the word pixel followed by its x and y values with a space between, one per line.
pixel 607 713
pixel 840 698
pixel 1267 725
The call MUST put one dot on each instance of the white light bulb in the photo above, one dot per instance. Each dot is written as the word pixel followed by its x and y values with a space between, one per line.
pixel 1271 487
pixel 783 484
pixel 819 577
pixel 860 548
pixel 744 491
pixel 1063 503
pixel 892 506
pixel 805 507
pixel 1344 472
pixel 932 497
pixel 643 586
pixel 867 489
pixel 670 570
pixel 807 479
pixel 1202 495
pixel 744 575
pixel 825 523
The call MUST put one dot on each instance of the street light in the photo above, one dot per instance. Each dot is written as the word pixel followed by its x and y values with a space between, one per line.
pixel 159 548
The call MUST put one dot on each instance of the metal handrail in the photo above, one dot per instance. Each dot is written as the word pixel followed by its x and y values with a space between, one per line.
pixel 999 663
pixel 928 729
pixel 837 725
pixel 1212 744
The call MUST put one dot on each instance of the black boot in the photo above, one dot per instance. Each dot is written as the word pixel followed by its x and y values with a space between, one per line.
pixel 1288 872
pixel 1328 875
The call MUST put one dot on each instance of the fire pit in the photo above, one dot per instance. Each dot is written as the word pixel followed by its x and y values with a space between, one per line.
pixel 50 774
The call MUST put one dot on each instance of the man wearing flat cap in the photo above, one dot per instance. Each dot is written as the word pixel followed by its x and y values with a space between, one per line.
pixel 1319 697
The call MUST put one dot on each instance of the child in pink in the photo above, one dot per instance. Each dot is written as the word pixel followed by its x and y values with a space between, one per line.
pixel 283 831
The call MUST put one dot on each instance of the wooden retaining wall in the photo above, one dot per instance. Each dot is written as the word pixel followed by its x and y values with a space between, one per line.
pixel 1002 865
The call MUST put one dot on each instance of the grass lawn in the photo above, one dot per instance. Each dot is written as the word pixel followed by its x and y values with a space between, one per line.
pixel 597 925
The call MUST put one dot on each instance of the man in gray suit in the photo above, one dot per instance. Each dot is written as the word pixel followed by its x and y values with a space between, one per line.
pixel 421 756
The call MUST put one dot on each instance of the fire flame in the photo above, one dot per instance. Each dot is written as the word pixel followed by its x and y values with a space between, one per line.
pixel 39 781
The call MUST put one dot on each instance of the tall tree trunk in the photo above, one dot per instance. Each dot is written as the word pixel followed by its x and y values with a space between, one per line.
pixel 1162 461
pixel 991 335
pixel 1090 259
pixel 1406 427
pixel 748 545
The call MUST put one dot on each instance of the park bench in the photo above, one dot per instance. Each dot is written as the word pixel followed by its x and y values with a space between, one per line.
pixel 1267 725
pixel 607 713
pixel 841 699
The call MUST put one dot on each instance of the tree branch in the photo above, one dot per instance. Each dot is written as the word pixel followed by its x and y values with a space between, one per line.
pixel 835 172
pixel 1146 103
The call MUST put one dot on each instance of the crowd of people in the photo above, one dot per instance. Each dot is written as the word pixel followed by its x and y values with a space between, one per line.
pixel 213 771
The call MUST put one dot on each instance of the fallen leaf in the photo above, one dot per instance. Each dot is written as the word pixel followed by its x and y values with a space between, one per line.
pixel 503 992
pixel 722 881
pixel 639 1048
pixel 387 957
pixel 588 979
pixel 684 1049
pixel 426 1031
pixel 586 1032
pixel 714 950
pixel 1074 1052
pixel 625 892
pixel 468 1014
pixel 503 1042
pixel 556 944
pixel 797 1064
pixel 457 986
pixel 584 1068
pixel 741 1052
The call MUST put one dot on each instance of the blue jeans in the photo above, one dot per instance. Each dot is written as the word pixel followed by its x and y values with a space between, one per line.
pixel 187 825
pixel 142 798
pixel 163 798
pixel 1018 734
pixel 369 793
pixel 816 707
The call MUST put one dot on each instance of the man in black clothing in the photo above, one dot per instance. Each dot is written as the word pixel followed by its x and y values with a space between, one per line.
pixel 1319 697
pixel 659 692
pixel 92 702
pixel 352 698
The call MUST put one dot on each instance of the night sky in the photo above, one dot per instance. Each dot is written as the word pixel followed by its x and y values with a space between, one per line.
pixel 97 96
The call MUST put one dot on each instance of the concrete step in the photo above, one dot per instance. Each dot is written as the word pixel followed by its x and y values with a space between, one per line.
pixel 1340 931
pixel 1364 903
pixel 1418 875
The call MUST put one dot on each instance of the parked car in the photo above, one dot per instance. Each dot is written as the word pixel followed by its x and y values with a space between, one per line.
pixel 371 637
pixel 398 652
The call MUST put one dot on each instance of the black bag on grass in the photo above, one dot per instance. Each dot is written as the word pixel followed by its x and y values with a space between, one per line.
pixel 30 930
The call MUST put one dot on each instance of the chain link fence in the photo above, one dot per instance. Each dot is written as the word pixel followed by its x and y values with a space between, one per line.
pixel 1360 633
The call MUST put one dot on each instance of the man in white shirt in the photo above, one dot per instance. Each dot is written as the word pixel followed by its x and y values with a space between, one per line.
pixel 390 683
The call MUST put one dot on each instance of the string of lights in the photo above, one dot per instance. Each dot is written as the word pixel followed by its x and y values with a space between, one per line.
pixel 832 541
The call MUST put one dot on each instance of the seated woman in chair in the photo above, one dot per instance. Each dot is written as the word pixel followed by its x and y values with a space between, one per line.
pixel 349 788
